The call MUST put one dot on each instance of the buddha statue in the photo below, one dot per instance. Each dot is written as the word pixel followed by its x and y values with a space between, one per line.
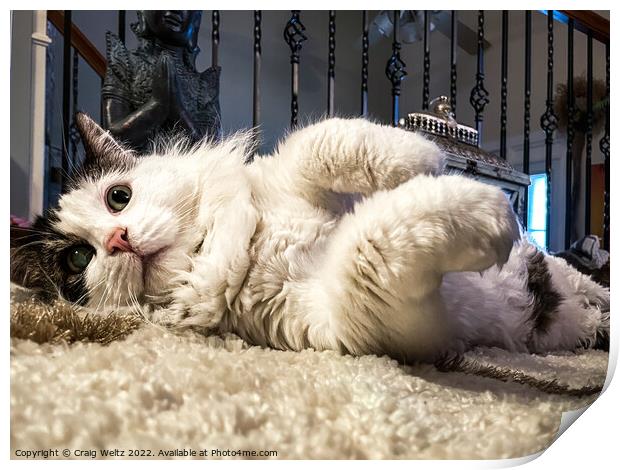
pixel 155 89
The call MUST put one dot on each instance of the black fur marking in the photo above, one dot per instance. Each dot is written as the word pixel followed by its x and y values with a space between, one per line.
pixel 38 262
pixel 602 334
pixel 545 299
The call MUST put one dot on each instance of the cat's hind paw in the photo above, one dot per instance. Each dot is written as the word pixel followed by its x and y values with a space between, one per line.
pixel 483 225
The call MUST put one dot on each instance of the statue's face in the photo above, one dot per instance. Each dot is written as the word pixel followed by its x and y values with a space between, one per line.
pixel 175 27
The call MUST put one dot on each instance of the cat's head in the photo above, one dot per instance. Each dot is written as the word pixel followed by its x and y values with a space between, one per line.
pixel 118 234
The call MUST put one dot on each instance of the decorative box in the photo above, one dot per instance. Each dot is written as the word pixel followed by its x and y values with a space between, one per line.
pixel 461 145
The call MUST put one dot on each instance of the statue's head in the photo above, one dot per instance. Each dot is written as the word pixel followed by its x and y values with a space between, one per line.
pixel 173 27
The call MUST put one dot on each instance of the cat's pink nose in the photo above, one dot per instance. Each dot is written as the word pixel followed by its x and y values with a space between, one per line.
pixel 118 241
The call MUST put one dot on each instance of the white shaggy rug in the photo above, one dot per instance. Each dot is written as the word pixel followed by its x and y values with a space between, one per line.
pixel 156 390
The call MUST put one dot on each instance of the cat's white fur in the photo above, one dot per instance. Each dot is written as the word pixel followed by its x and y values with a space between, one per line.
pixel 269 251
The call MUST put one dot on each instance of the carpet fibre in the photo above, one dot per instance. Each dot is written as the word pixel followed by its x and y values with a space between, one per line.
pixel 93 384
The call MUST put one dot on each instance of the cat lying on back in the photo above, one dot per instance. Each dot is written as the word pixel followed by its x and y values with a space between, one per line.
pixel 269 252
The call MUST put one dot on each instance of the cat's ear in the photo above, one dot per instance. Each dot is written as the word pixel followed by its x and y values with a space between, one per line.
pixel 103 152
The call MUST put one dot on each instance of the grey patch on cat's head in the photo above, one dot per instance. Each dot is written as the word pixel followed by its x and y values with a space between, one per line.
pixel 103 154
pixel 38 261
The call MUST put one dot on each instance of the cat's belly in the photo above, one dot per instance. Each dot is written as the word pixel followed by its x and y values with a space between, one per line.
pixel 285 249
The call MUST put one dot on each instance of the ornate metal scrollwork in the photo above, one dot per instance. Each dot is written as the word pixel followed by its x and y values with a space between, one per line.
pixel 294 37
pixel 395 68
pixel 549 120
pixel 479 97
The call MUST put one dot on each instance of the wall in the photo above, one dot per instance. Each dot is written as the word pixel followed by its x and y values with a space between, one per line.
pixel 21 29
pixel 27 107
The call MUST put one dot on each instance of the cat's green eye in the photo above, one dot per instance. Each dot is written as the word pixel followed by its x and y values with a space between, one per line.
pixel 78 258
pixel 118 197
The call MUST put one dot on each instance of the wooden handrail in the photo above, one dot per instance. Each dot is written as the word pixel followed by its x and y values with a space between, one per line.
pixel 85 48
pixel 586 20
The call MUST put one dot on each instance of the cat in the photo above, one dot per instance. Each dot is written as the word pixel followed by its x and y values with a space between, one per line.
pixel 423 265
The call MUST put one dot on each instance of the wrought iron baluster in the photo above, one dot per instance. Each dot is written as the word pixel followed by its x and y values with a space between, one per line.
pixel 453 50
pixel 215 38
pixel 605 150
pixel 66 99
pixel 570 135
pixel 365 61
pixel 504 88
pixel 589 126
pixel 257 64
pixel 74 134
pixel 256 82
pixel 122 19
pixel 294 37
pixel 395 68
pixel 527 103
pixel 331 71
pixel 549 121
pixel 427 64
pixel 479 97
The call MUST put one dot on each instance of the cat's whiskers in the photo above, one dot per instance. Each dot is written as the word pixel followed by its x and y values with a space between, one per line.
pixel 134 305
pixel 116 298
pixel 35 230
pixel 74 169
pixel 89 292
pixel 187 216
pixel 190 209
pixel 118 305
pixel 140 312
pixel 121 278
pixel 20 248
pixel 104 296
pixel 56 288
pixel 76 304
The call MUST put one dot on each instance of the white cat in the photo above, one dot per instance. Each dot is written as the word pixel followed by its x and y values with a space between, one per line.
pixel 268 250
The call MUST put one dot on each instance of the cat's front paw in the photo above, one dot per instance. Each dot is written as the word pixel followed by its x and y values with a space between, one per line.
pixel 171 316
pixel 195 302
